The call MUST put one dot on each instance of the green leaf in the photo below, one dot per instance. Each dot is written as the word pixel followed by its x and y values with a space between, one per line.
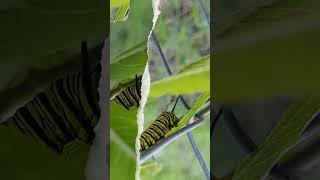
pixel 123 132
pixel 196 106
pixel 118 3
pixel 121 160
pixel 264 56
pixel 24 158
pixel 36 29
pixel 198 73
pixel 281 139
pixel 121 13
pixel 201 63
pixel 123 123
pixel 247 12
pixel 127 65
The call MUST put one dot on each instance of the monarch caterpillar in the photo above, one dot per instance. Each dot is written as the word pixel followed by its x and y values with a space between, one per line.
pixel 158 129
pixel 130 96
pixel 67 110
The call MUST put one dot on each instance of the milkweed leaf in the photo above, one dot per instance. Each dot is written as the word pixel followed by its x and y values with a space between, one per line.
pixel 281 139
pixel 123 132
pixel 180 83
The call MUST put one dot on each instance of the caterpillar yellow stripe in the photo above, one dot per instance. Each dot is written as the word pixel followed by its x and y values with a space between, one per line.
pixel 130 96
pixel 64 112
pixel 158 129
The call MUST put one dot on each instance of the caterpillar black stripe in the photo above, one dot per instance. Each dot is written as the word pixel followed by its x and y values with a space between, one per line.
pixel 67 110
pixel 158 129
pixel 130 96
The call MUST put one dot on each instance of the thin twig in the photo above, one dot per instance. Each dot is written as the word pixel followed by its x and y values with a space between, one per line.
pixel 198 154
pixel 204 12
pixel 164 59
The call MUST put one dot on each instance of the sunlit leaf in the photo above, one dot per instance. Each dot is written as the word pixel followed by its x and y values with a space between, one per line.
pixel 194 78
pixel 118 3
pixel 121 13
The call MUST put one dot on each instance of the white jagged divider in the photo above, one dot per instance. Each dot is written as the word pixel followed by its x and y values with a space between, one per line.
pixel 145 88
pixel 98 163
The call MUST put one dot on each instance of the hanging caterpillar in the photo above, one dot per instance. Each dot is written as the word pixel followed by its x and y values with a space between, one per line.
pixel 158 129
pixel 130 96
pixel 67 110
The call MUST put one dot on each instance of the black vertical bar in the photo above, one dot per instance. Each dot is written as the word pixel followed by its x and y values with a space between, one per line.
pixel 105 103
pixel 106 90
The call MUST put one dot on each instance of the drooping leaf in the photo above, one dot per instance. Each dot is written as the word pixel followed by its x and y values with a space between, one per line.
pixel 126 66
pixel 193 78
pixel 281 139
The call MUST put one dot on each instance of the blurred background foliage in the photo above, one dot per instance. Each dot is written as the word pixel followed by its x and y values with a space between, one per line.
pixel 127 34
pixel 184 37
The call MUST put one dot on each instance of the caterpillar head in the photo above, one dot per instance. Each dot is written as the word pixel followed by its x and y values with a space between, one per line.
pixel 171 118
pixel 175 119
